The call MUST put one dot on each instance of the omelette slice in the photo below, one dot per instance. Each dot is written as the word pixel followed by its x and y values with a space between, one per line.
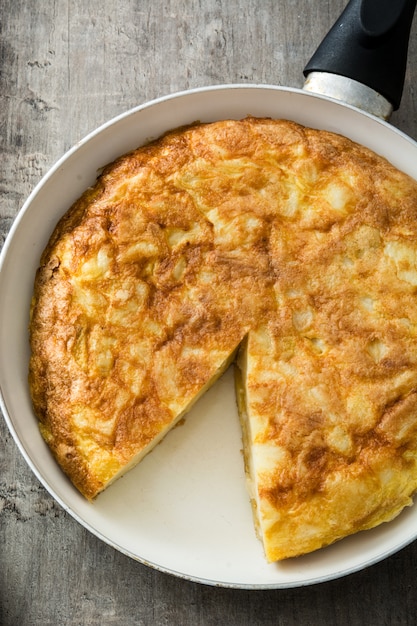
pixel 292 248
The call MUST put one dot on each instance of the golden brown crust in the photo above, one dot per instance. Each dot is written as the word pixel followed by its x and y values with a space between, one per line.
pixel 298 239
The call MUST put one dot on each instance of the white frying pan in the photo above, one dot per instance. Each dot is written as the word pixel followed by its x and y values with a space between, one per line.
pixel 184 509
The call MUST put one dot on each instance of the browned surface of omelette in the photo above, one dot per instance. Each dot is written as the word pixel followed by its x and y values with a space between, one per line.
pixel 297 245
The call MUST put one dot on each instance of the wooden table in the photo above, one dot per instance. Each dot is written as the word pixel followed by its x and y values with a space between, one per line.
pixel 67 66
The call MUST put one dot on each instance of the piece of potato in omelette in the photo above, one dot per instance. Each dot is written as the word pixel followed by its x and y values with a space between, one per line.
pixel 295 247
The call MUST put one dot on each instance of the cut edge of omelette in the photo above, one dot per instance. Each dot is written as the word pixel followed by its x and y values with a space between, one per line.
pixel 104 468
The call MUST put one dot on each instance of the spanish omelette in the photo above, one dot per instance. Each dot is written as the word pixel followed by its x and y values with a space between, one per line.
pixel 289 250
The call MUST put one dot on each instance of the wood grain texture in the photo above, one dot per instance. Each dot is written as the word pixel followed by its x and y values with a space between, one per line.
pixel 67 66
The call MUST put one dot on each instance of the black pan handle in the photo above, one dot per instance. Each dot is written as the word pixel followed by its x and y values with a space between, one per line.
pixel 369 44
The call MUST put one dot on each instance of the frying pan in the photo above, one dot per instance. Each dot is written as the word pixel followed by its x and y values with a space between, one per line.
pixel 184 509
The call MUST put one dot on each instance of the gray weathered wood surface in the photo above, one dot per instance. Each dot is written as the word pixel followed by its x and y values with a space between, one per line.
pixel 67 66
